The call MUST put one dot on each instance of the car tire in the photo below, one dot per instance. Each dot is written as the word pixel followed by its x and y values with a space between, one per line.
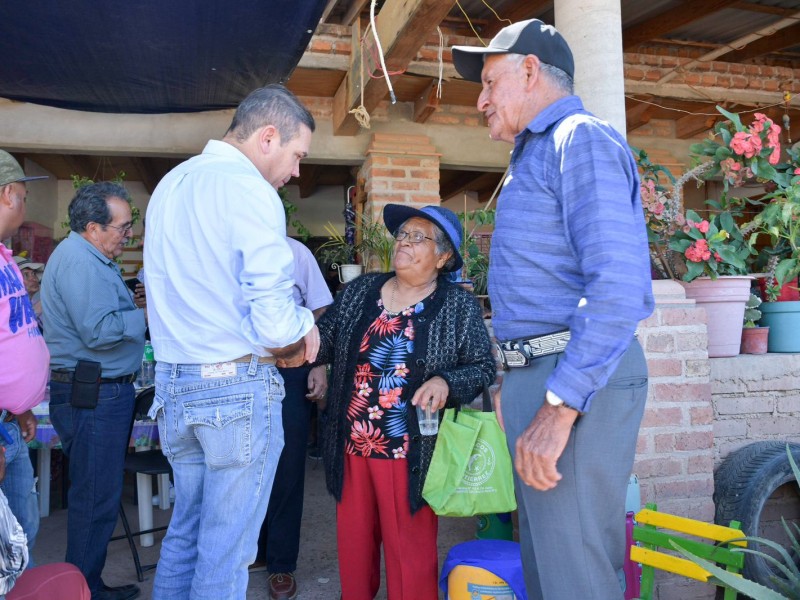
pixel 744 482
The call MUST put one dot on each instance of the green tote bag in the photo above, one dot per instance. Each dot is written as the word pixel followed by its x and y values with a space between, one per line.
pixel 470 472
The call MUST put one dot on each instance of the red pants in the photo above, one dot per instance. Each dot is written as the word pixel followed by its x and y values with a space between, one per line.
pixel 56 581
pixel 374 510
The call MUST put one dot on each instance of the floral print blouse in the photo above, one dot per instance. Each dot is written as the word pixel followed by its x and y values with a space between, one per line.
pixel 376 415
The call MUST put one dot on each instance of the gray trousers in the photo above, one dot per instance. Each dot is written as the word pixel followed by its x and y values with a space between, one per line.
pixel 573 537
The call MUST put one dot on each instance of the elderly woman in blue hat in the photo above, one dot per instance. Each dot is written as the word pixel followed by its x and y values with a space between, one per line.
pixel 395 341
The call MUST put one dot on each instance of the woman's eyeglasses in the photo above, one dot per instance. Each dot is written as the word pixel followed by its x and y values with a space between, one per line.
pixel 413 237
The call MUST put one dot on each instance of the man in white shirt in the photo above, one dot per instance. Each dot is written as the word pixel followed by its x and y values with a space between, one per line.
pixel 219 277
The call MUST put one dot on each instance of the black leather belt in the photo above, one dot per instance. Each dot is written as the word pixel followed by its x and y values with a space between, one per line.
pixel 518 353
pixel 66 377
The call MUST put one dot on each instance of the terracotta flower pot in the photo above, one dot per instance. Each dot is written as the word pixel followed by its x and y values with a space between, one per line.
pixel 724 299
pixel 755 340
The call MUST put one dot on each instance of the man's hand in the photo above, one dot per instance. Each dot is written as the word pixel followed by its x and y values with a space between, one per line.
pixel 433 391
pixel 139 296
pixel 312 344
pixel 27 424
pixel 541 444
pixel 318 385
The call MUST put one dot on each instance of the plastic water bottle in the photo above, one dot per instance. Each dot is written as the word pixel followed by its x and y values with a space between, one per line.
pixel 148 374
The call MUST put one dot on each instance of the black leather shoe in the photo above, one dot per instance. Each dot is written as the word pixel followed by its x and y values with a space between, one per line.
pixel 123 592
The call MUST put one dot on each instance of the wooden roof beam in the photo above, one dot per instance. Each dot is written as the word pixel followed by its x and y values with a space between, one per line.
pixel 671 19
pixel 403 27
pixel 309 179
pixel 147 172
pixel 638 115
pixel 785 38
pixel 427 103
pixel 468 181
pixel 519 10
pixel 80 165
pixel 327 11
pixel 353 11
pixel 691 125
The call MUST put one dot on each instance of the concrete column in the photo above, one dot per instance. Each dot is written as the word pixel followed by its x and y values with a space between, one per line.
pixel 593 29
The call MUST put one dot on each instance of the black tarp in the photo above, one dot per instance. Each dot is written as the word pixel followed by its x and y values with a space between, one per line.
pixel 149 56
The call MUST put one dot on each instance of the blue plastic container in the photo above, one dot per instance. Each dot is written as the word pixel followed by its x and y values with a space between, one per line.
pixel 783 320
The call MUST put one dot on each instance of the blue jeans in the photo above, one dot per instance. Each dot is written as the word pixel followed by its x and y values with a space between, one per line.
pixel 223 438
pixel 18 486
pixel 95 442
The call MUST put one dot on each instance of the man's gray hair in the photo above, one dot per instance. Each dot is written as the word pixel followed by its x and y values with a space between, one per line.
pixel 270 105
pixel 557 77
pixel 90 204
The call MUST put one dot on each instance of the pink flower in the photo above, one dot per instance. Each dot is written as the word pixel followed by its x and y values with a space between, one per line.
pixel 698 251
pixel 717 257
pixel 745 144
pixel 774 136
pixel 702 226
pixel 775 156
pixel 797 171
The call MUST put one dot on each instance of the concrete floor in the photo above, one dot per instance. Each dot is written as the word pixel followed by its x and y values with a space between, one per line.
pixel 317 573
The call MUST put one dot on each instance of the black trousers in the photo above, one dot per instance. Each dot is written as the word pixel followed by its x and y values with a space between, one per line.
pixel 279 541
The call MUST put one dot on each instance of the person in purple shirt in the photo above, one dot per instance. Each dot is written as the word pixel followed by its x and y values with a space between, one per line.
pixel 569 280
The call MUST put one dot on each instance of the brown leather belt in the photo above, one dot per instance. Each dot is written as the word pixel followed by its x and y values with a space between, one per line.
pixel 66 377
pixel 268 360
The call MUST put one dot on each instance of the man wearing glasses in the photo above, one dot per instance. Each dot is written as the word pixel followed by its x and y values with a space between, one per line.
pixel 90 318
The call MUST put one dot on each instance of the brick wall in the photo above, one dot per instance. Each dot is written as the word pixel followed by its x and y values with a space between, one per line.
pixel 400 169
pixel 755 397
pixel 675 452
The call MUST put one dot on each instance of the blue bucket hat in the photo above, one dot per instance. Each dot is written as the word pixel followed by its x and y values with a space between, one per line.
pixel 445 219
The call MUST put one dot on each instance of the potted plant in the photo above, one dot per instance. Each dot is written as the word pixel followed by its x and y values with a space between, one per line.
pixel 754 337
pixel 709 256
pixel 373 249
pixel 725 243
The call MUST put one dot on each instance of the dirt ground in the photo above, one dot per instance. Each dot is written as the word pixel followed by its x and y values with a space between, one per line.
pixel 317 573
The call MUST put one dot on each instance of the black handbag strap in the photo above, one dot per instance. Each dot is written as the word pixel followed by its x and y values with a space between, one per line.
pixel 487 403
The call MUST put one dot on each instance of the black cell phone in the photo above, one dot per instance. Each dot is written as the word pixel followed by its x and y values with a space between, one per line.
pixel 86 384
pixel 132 283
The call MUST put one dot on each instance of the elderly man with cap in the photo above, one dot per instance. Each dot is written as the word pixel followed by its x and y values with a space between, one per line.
pixel 32 276
pixel 24 366
pixel 569 221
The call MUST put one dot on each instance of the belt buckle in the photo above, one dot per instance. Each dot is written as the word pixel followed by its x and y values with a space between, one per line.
pixel 511 358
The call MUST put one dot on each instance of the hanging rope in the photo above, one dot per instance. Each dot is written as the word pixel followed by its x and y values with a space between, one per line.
pixel 360 112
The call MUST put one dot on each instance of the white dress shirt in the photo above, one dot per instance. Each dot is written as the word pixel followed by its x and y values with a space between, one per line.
pixel 219 271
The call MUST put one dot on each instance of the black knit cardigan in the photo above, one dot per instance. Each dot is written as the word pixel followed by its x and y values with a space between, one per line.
pixel 450 341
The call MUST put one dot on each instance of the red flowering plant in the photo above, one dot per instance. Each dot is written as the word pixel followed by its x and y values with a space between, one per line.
pixel 687 245
pixel 725 241
pixel 738 153
pixel 711 247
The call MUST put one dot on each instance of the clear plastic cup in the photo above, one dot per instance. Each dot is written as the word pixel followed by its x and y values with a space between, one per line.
pixel 428 420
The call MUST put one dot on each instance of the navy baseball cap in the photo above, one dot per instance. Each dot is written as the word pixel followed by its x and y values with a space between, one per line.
pixel 445 219
pixel 526 37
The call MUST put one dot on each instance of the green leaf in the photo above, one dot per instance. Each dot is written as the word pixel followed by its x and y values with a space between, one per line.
pixel 732 117
pixel 745 586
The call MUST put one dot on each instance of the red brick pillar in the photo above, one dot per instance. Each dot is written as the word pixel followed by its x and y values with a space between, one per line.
pixel 675 453
pixel 400 169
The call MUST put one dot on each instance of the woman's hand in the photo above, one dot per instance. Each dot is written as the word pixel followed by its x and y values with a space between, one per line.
pixel 433 392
